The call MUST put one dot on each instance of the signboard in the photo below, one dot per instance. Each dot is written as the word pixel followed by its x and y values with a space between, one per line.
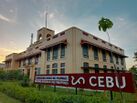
pixel 96 81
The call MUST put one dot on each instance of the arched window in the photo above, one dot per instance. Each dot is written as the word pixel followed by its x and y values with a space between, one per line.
pixel 40 37
pixel 48 35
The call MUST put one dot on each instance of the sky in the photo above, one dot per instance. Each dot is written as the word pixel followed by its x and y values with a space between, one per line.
pixel 20 18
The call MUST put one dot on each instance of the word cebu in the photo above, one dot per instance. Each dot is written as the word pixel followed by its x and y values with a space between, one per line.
pixel 96 81
pixel 109 82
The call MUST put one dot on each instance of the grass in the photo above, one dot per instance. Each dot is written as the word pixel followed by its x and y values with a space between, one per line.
pixel 127 97
pixel 6 99
pixel 89 95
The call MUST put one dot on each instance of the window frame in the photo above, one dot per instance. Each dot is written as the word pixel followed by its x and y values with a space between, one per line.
pixel 85 50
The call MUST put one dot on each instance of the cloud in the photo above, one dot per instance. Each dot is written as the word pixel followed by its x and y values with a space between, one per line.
pixel 11 10
pixel 4 18
pixel 2 57
pixel 51 15
pixel 7 51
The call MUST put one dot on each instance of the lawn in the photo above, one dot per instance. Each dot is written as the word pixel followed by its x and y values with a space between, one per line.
pixel 62 95
pixel 6 99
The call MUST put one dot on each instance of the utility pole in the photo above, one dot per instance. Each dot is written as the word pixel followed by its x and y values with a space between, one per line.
pixel 46 19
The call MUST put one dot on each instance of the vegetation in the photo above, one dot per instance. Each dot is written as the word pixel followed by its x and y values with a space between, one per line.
pixel 5 99
pixel 16 85
pixel 134 72
pixel 135 56
pixel 11 75
pixel 14 75
pixel 105 24
pixel 46 95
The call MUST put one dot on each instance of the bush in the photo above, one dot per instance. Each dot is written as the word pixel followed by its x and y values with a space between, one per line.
pixel 32 95
pixel 25 81
pixel 11 75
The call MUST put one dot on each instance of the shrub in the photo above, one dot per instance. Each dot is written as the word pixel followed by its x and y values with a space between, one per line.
pixel 32 95
pixel 11 75
pixel 25 81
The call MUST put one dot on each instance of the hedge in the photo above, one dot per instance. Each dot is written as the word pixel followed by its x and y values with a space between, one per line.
pixel 11 75
pixel 32 95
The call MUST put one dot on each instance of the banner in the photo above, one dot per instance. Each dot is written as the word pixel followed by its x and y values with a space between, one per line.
pixel 96 81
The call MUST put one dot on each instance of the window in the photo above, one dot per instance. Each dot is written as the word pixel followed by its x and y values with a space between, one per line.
pixel 40 37
pixel 84 33
pixel 55 52
pixel 55 36
pixel 48 54
pixel 111 57
pixel 95 53
pixel 24 62
pixel 95 38
pixel 96 65
pixel 117 62
pixel 37 70
pixel 54 68
pixel 86 70
pixel 116 47
pixel 111 67
pixel 85 51
pixel 96 68
pixel 48 35
pixel 62 70
pixel 85 64
pixel 54 71
pixel 48 69
pixel 117 68
pixel 48 39
pixel 29 61
pixel 122 61
pixel 103 42
pixel 19 63
pixel 55 65
pixel 62 65
pixel 63 33
pixel 48 66
pixel 36 59
pixel 62 54
pixel 105 67
pixel 104 55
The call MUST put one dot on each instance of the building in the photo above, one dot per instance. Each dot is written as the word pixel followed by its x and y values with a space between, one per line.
pixel 70 51
pixel 2 66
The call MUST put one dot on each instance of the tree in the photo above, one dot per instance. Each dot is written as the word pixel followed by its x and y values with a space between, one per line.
pixel 133 69
pixel 135 56
pixel 105 24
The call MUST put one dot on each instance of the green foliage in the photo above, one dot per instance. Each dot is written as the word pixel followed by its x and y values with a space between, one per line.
pixel 25 81
pixel 33 95
pixel 105 24
pixel 6 99
pixel 135 56
pixel 134 72
pixel 11 75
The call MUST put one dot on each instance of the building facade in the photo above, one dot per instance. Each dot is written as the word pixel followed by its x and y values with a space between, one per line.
pixel 2 66
pixel 70 51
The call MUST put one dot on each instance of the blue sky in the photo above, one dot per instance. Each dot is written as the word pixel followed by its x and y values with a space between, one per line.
pixel 20 18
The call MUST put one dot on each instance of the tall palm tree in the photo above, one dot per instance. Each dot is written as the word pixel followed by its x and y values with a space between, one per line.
pixel 104 24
